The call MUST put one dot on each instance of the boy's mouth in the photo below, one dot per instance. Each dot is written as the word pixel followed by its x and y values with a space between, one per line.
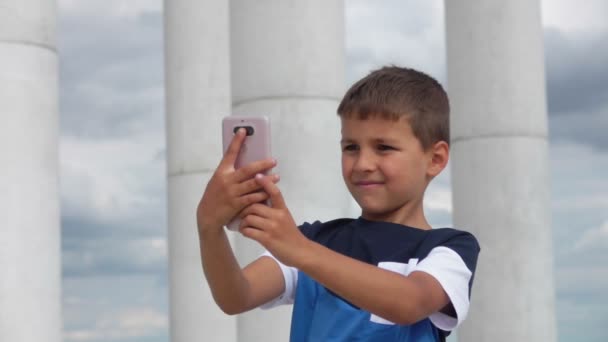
pixel 368 184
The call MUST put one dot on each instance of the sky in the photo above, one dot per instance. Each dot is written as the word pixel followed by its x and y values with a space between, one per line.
pixel 112 154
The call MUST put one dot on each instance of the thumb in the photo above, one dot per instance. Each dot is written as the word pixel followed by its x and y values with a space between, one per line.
pixel 272 190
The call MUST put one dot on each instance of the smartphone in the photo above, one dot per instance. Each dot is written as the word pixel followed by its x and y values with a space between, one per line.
pixel 255 147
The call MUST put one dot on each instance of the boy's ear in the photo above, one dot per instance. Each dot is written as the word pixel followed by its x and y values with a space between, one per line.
pixel 439 154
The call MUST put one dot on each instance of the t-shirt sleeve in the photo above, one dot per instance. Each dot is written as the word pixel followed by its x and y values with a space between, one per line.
pixel 453 265
pixel 290 274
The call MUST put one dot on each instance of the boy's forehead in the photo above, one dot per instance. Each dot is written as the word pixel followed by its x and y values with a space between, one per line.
pixel 375 124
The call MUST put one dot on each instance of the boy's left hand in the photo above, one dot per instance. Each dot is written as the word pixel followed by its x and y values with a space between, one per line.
pixel 273 226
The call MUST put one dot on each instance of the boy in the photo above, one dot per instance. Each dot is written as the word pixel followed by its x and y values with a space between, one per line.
pixel 386 276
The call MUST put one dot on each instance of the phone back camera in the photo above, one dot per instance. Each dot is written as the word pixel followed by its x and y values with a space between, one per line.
pixel 249 129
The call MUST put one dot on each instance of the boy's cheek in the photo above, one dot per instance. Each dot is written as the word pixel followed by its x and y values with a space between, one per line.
pixel 345 169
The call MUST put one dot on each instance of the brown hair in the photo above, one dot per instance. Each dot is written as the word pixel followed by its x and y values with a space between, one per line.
pixel 394 92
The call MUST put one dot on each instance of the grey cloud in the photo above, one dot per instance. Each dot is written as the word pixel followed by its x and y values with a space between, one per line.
pixel 150 223
pixel 90 247
pixel 412 18
pixel 583 127
pixel 581 318
pixel 111 256
pixel 111 75
pixel 94 243
pixel 577 72
pixel 439 218
pixel 92 304
pixel 394 32
pixel 161 155
pixel 360 62
pixel 580 282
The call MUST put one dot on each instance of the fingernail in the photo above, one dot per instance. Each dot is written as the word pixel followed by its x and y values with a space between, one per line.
pixel 259 176
pixel 277 177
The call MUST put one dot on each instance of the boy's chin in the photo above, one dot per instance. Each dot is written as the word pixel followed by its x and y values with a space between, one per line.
pixel 373 210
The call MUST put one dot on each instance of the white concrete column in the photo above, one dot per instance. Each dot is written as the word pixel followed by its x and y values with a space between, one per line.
pixel 30 265
pixel 197 97
pixel 288 64
pixel 500 165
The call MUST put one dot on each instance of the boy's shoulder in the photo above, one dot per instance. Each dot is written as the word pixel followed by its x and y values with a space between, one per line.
pixel 312 229
pixel 373 241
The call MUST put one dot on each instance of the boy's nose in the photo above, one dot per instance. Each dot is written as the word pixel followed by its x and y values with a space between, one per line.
pixel 364 163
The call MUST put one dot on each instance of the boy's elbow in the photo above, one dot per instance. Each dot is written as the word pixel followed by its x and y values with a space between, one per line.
pixel 408 315
pixel 231 309
pixel 406 320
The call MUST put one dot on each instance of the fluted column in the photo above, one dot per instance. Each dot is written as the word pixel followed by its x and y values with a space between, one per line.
pixel 197 97
pixel 496 82
pixel 288 64
pixel 30 263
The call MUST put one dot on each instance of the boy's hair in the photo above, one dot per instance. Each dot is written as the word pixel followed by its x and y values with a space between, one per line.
pixel 394 92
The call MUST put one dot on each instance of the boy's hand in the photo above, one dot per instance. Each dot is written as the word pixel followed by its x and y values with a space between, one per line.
pixel 229 190
pixel 273 227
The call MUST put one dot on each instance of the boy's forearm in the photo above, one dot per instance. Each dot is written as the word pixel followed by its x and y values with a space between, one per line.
pixel 224 275
pixel 381 292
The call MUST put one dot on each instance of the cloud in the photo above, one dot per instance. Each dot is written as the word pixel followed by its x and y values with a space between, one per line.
pixel 112 256
pixel 577 85
pixel 578 177
pixel 111 87
pixel 113 206
pixel 123 324
pixel 126 308
pixel 594 238
pixel 108 8
pixel 577 77
pixel 575 17
pixel 394 32
pixel 579 187
pixel 438 200
pixel 112 169
pixel 582 127
pixel 581 301
pixel 111 178
pixel 581 318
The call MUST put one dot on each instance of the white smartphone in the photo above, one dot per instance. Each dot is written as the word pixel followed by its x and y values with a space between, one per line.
pixel 255 147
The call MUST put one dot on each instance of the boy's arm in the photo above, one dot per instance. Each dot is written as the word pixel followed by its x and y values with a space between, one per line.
pixel 227 193
pixel 235 290
pixel 392 296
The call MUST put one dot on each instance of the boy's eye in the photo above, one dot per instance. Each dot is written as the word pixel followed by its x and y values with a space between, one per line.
pixel 383 147
pixel 350 147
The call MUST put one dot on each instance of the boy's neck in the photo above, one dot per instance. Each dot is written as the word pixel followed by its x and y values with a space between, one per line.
pixel 408 215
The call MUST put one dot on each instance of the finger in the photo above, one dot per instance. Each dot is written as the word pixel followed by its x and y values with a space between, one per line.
pixel 253 233
pixel 254 221
pixel 253 198
pixel 272 190
pixel 233 149
pixel 252 185
pixel 250 170
pixel 257 209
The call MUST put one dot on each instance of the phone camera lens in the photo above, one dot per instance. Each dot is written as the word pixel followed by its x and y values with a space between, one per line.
pixel 249 129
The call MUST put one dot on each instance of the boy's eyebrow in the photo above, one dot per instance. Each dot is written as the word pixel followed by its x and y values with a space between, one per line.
pixel 385 141
pixel 377 141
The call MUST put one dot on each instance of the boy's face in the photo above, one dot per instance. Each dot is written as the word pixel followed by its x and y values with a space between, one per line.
pixel 384 165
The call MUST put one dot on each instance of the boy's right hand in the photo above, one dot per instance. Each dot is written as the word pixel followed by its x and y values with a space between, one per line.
pixel 229 190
